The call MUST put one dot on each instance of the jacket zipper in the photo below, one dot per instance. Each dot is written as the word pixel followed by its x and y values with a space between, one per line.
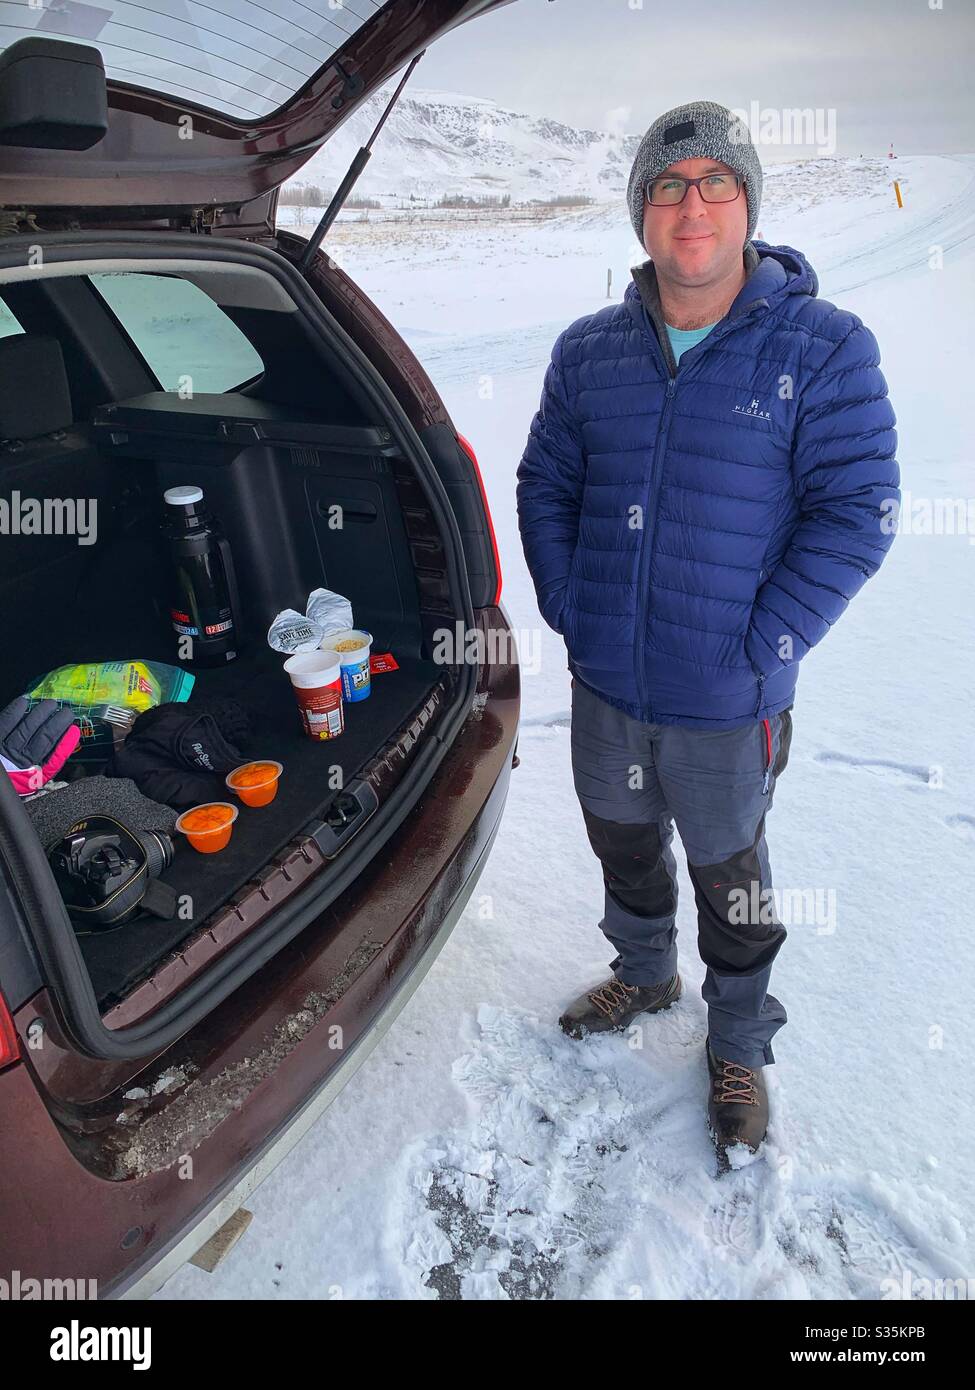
pixel 646 552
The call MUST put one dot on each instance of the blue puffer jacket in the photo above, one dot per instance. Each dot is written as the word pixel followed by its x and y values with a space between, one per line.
pixel 692 534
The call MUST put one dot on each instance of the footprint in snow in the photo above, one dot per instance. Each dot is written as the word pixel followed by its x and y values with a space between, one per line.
pixel 878 1257
pixel 908 773
pixel 586 1171
pixel 962 825
pixel 735 1226
pixel 528 1200
pixel 562 719
pixel 826 1238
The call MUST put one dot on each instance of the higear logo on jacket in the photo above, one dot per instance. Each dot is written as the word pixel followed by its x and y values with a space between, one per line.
pixel 754 409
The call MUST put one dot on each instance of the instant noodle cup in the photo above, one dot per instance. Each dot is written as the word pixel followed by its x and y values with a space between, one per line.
pixel 317 683
pixel 256 783
pixel 208 827
pixel 351 645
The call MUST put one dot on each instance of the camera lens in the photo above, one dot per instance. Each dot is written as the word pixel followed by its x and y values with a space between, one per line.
pixel 158 848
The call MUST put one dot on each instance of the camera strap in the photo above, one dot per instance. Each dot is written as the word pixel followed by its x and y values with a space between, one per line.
pixel 159 899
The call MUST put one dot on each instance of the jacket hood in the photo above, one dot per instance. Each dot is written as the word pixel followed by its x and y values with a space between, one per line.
pixel 774 273
pixel 780 270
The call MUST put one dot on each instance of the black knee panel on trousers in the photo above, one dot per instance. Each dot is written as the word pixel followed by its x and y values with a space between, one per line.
pixel 635 864
pixel 738 927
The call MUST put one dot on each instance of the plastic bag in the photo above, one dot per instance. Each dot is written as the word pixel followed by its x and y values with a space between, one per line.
pixel 108 696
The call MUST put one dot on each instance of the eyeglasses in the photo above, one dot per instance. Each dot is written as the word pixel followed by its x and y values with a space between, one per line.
pixel 671 189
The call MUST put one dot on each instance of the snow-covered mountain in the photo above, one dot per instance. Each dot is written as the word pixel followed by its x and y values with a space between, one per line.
pixel 437 142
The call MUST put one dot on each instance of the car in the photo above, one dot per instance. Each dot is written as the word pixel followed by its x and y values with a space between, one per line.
pixel 159 330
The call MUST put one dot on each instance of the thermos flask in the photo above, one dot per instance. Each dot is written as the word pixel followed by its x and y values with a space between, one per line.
pixel 205 606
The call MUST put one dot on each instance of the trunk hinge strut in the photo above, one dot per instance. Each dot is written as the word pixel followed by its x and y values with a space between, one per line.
pixel 355 169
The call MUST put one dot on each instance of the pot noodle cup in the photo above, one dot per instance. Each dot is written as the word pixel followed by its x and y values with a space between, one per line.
pixel 317 684
pixel 256 783
pixel 208 827
pixel 352 646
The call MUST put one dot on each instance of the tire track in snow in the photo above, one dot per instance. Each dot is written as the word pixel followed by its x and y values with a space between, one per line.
pixel 951 228
pixel 465 357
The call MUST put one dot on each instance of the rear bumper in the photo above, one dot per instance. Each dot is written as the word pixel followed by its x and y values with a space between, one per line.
pixel 63 1216
pixel 144 1282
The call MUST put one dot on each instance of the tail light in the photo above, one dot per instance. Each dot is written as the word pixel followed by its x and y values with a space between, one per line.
pixel 468 450
pixel 9 1043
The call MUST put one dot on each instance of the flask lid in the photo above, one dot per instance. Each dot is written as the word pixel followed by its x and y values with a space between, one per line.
pixel 183 496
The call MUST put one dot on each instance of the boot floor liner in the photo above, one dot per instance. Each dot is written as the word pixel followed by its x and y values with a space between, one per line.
pixel 119 959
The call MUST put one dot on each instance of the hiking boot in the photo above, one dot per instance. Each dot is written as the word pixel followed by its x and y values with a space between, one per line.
pixel 737 1104
pixel 610 1006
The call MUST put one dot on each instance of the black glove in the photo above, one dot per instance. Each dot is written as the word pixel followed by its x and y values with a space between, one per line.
pixel 179 754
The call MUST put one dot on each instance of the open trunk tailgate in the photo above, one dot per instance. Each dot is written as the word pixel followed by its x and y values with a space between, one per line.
pixel 209 116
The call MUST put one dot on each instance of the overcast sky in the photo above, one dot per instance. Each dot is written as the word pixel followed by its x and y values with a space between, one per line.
pixel 888 70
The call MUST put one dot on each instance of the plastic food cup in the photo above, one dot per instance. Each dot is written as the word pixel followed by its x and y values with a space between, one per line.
pixel 208 827
pixel 317 684
pixel 351 646
pixel 256 783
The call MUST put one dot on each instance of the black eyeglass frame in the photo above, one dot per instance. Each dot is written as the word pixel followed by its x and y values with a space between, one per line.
pixel 696 183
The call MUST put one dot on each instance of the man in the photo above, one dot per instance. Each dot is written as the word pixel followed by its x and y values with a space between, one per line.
pixel 699 499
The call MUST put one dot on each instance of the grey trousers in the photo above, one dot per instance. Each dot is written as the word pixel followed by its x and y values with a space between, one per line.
pixel 634 781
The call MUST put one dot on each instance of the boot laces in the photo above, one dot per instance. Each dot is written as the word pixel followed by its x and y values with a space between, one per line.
pixel 736 1083
pixel 612 997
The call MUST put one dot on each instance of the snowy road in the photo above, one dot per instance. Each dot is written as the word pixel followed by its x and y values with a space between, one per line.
pixel 479 1153
pixel 951 228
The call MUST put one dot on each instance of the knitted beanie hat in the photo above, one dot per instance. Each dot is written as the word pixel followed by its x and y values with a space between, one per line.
pixel 697 130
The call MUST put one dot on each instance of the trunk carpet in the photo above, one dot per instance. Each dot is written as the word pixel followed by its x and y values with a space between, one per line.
pixel 118 959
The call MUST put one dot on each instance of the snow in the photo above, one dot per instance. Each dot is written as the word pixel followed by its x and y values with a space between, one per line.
pixel 437 142
pixel 481 1154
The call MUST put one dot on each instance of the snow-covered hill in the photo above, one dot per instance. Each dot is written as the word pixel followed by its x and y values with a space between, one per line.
pixel 437 142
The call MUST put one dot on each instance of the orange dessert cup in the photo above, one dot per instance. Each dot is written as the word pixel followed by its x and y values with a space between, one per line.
pixel 256 783
pixel 208 827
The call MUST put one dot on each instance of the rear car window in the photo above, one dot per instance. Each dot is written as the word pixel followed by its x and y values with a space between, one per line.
pixel 187 340
pixel 8 324
pixel 245 58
